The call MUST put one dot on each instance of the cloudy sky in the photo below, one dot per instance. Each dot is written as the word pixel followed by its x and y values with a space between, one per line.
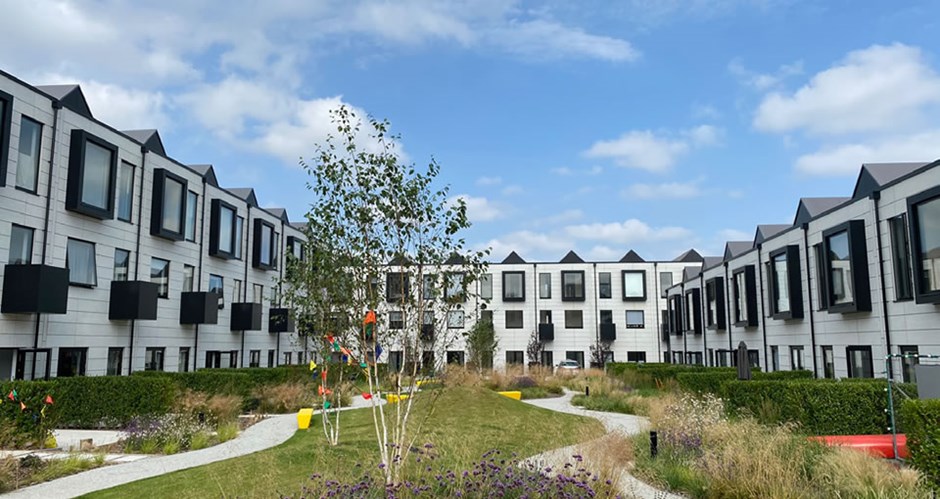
pixel 654 125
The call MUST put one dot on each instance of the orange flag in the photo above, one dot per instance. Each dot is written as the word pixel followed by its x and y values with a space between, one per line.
pixel 22 406
pixel 48 399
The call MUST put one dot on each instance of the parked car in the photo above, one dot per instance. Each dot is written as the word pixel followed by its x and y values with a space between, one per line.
pixel 568 366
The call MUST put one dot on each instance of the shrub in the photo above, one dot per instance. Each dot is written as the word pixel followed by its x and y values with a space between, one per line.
pixel 608 403
pixel 26 428
pixel 285 398
pixel 710 381
pixel 170 432
pixel 523 382
pixel 921 420
pixel 215 409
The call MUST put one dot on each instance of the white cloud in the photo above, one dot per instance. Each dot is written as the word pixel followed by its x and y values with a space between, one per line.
pixel 489 181
pixel 528 244
pixel 705 112
pixel 877 89
pixel 654 152
pixel 544 39
pixel 601 253
pixel 627 232
pixel 564 217
pixel 735 235
pixel 845 159
pixel 512 190
pixel 480 209
pixel 120 107
pixel 764 81
pixel 669 190
pixel 563 171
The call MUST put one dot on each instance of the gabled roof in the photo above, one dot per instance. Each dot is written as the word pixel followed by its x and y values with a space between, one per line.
pixel 735 248
pixel 809 208
pixel 70 96
pixel 571 257
pixel 712 261
pixel 280 213
pixel 513 257
pixel 455 259
pixel 150 139
pixel 765 232
pixel 874 176
pixel 246 194
pixel 299 225
pixel 690 273
pixel 399 261
pixel 690 256
pixel 632 257
pixel 207 173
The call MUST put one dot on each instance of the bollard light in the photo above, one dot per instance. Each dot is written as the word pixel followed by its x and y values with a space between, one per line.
pixel 587 391
pixel 654 444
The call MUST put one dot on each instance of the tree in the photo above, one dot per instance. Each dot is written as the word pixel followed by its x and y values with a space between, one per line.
pixel 534 349
pixel 381 235
pixel 598 351
pixel 481 345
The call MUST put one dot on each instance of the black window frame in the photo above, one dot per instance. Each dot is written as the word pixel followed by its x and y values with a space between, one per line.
pixel 257 242
pixel 580 317
pixel 623 277
pixel 636 356
pixel 901 258
pixel 605 290
pixel 215 230
pixel 828 362
pixel 82 361
pixel 794 283
pixel 165 294
pixel 822 283
pixel 715 287
pixel 486 287
pixel 451 281
pixel 124 166
pixel 127 265
pixel 911 359
pixel 521 319
pixel 858 260
pixel 693 318
pixel 38 162
pixel 544 278
pixel 182 364
pixel 514 273
pixel 848 361
pixel 630 325
pixel 676 305
pixel 160 177
pixel 118 368
pixel 921 295
pixel 797 352
pixel 254 358
pixel 151 364
pixel 397 286
pixel 6 123
pixel 94 258
pixel 398 323
pixel 219 290
pixel 29 251
pixel 456 319
pixel 515 357
pixel 565 296
pixel 75 183
pixel 192 205
pixel 749 274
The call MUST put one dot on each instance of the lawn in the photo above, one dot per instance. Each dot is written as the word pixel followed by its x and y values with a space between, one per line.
pixel 462 424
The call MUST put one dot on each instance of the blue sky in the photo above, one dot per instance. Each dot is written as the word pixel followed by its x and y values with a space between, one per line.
pixel 654 125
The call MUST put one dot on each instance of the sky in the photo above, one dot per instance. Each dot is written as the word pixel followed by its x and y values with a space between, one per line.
pixel 594 126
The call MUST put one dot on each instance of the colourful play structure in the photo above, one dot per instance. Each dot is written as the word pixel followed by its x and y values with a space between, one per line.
pixel 877 445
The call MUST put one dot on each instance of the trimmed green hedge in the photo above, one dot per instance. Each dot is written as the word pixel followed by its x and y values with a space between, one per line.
pixel 921 420
pixel 710 381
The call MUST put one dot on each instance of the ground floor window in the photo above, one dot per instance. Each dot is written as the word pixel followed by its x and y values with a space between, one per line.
pixel 547 358
pixel 115 361
pixel 32 364
pixel 796 358
pixel 829 364
pixel 71 362
pixel 608 356
pixel 427 362
pixel 395 361
pixel 636 356
pixel 575 355
pixel 183 365
pixel 254 358
pixel 288 356
pixel 908 362
pixel 859 362
pixel 514 357
pixel 753 358
pixel 693 358
pixel 677 357
pixel 271 358
pixel 153 359
pixel 774 358
pixel 455 357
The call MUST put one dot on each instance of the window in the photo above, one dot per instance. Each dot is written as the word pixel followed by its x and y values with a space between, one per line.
pixel 829 363
pixel 693 311
pixel 545 316
pixel 122 260
pixel 786 286
pixel 514 319
pixel 217 286
pixel 849 289
pixel 264 245
pixel 486 286
pixel 636 356
pixel 576 356
pixel 634 285
pixel 71 362
pixel 774 358
pixel 572 285
pixel 455 357
pixel 160 275
pixel 924 210
pixel 513 286
pixel 486 316
pixel 395 361
pixel 396 286
pixel 27 162
pixel 901 251
pixel 254 358
pixel 545 285
pixel 92 172
pixel 455 288
pixel 191 200
pixel 395 320
pixel 455 319
pixel 239 236
pixel 603 285
pixel 822 281
pixel 257 293
pixel 21 245
pixel 80 260
pixel 574 319
pixel 715 303
pixel 636 319
pixel 429 291
pixel 271 358
pixel 237 295
pixel 296 247
pixel 6 118
pixel 287 358
pixel 514 357
pixel 125 191
pixel 32 363
pixel 753 358
pixel 796 358
pixel 607 317
pixel 859 362
pixel 224 231
pixel 910 359
pixel 547 358
pixel 274 297
pixel 665 281
pixel 183 365
pixel 153 358
pixel 115 361
pixel 188 277
pixel 168 215
pixel 694 358
pixel 745 297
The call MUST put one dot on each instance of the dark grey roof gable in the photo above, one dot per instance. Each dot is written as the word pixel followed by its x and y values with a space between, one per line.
pixel 150 139
pixel 246 194
pixel 765 232
pixel 207 172
pixel 690 273
pixel 690 256
pixel 571 257
pixel 809 208
pixel 874 176
pixel 632 257
pixel 70 96
pixel 711 261
pixel 455 259
pixel 735 248
pixel 513 257
pixel 280 213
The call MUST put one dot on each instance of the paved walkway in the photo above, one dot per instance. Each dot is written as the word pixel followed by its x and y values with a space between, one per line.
pixel 614 423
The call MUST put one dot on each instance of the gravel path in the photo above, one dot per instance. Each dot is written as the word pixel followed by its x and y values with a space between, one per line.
pixel 627 424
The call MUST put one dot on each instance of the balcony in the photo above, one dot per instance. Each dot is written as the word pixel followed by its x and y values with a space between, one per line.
pixel 608 332
pixel 546 332
pixel 199 307
pixel 246 317
pixel 35 289
pixel 427 332
pixel 133 300
pixel 280 320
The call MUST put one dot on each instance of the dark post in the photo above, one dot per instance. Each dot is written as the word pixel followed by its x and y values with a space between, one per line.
pixel 654 444
pixel 587 391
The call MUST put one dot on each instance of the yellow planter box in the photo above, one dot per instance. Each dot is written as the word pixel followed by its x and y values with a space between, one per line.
pixel 303 418
pixel 512 395
pixel 395 398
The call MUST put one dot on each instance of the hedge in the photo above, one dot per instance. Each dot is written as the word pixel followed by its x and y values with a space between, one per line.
pixel 710 381
pixel 921 420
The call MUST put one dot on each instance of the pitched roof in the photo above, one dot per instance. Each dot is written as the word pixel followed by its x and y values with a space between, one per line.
pixel 246 194
pixel 513 257
pixel 571 257
pixel 809 208
pixel 70 96
pixel 455 259
pixel 712 261
pixel 399 260
pixel 766 231
pixel 735 248
pixel 207 173
pixel 874 176
pixel 150 138
pixel 632 257
pixel 690 273
pixel 690 256
pixel 280 213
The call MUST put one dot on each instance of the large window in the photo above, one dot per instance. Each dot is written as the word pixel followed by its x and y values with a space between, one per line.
pixel 217 286
pixel 603 285
pixel 829 362
pixel 693 311
pixel 785 283
pixel 160 275
pixel 924 210
pixel 634 285
pixel 859 362
pixel 224 234
pixel 486 286
pixel 545 285
pixel 191 201
pixel 745 297
pixel 115 361
pixel 92 175
pixel 455 319
pixel 847 268
pixel 72 362
pixel 514 319
pixel 455 287
pixel 168 212
pixel 396 286
pixel 715 303
pixel 27 162
pixel 514 357
pixel 429 290
pixel 514 286
pixel 80 260
pixel 125 191
pixel 901 254
pixel 636 319
pixel 574 319
pixel 572 285
pixel 21 245
pixel 665 282
pixel 122 259
pixel 796 358
pixel 153 358
pixel 264 245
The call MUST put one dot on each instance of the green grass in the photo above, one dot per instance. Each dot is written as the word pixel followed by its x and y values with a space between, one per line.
pixel 463 424
pixel 607 403
pixel 538 392
pixel 668 470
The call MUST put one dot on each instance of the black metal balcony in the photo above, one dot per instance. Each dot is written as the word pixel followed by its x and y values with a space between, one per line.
pixel 246 317
pixel 133 300
pixel 280 320
pixel 546 332
pixel 31 289
pixel 199 307
pixel 427 332
pixel 608 332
